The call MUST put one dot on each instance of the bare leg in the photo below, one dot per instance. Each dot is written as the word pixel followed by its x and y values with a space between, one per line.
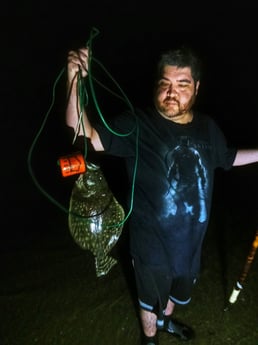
pixel 149 321
pixel 169 308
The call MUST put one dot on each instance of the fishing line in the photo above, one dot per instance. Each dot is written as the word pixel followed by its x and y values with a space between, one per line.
pixel 82 94
pixel 29 157
pixel 83 98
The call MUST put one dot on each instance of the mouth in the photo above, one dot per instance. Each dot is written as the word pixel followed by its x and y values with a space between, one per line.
pixel 171 102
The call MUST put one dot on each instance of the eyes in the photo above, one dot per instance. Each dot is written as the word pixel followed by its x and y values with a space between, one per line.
pixel 164 85
pixel 179 86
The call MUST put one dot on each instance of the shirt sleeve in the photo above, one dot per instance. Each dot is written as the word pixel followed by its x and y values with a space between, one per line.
pixel 224 155
pixel 119 136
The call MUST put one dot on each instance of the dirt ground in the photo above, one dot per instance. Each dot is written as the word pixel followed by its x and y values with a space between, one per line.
pixel 50 295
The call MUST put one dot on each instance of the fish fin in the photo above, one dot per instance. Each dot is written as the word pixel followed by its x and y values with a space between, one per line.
pixel 104 265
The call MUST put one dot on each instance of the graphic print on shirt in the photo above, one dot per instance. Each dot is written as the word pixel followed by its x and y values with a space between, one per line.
pixel 187 181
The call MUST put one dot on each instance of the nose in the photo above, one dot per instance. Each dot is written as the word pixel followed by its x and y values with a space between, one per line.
pixel 171 90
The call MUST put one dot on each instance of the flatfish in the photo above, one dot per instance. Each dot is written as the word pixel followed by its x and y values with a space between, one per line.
pixel 95 217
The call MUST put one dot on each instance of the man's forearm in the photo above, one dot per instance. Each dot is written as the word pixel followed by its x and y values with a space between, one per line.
pixel 246 156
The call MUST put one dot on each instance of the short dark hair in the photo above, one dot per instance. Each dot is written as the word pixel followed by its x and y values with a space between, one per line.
pixel 181 57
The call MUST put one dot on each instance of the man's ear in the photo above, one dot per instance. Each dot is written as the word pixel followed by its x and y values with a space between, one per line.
pixel 197 87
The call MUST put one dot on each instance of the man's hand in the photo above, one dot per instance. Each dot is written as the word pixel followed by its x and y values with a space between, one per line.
pixel 77 60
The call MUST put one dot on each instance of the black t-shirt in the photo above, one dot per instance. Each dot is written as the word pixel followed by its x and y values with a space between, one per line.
pixel 171 170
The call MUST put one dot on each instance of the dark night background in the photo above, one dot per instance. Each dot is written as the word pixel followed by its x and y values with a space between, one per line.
pixel 35 39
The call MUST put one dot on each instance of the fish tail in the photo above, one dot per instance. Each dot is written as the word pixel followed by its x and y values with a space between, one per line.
pixel 104 264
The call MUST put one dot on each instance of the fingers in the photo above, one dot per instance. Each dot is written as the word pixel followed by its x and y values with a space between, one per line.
pixel 78 60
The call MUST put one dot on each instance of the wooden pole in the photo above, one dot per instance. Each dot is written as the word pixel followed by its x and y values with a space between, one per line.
pixel 239 284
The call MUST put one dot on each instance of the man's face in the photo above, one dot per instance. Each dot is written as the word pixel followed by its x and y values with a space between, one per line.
pixel 175 93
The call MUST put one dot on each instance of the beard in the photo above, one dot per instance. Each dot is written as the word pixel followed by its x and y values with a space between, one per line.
pixel 172 108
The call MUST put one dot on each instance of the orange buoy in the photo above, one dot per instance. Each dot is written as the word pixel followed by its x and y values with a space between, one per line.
pixel 72 164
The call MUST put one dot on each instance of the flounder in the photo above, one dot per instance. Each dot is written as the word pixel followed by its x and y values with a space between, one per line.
pixel 95 217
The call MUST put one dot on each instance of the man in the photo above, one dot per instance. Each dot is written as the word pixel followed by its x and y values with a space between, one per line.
pixel 171 152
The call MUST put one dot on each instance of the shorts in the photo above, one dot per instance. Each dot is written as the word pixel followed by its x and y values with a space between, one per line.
pixel 155 286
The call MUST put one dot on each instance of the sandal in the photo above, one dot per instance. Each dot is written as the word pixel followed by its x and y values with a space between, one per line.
pixel 150 340
pixel 177 329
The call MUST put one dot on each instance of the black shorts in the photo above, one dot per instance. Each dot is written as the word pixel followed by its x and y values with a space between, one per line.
pixel 155 286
